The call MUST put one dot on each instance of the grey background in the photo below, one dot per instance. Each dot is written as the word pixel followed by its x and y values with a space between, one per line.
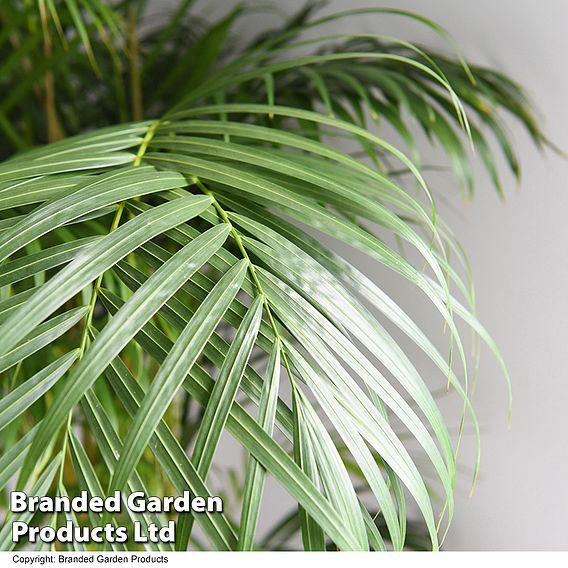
pixel 518 253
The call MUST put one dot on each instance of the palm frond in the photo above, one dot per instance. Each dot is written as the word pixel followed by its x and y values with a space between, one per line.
pixel 196 255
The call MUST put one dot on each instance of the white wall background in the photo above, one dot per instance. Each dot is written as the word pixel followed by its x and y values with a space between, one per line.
pixel 519 253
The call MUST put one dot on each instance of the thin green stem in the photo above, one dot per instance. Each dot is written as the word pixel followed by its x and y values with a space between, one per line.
pixel 242 250
pixel 97 286
pixel 146 142
pixel 94 296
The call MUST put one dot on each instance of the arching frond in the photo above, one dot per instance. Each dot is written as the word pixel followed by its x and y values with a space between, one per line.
pixel 201 254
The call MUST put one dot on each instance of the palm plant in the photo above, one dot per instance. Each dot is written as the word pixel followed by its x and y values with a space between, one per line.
pixel 163 277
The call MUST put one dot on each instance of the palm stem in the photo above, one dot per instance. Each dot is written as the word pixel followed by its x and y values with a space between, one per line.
pixel 134 61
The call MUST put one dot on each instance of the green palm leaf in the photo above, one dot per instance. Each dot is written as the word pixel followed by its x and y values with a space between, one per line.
pixel 256 475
